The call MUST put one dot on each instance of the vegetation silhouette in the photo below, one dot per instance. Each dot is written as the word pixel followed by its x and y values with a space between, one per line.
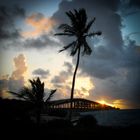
pixel 79 28
pixel 87 121
pixel 35 94
pixel 15 110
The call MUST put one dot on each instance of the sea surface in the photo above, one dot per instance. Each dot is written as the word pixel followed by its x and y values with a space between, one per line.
pixel 123 118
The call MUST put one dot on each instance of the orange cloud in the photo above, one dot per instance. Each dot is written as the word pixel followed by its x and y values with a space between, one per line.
pixel 39 23
pixel 123 104
pixel 118 103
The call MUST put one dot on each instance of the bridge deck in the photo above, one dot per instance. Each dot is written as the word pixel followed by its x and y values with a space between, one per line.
pixel 77 104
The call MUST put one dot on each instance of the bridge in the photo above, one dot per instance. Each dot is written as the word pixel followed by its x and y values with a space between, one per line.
pixel 77 104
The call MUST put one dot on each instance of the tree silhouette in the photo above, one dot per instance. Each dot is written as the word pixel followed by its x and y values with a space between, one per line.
pixel 79 28
pixel 36 95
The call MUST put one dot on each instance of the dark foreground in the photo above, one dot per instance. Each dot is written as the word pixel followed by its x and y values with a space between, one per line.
pixel 63 129
pixel 16 123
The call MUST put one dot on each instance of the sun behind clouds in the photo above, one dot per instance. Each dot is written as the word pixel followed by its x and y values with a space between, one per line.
pixel 103 102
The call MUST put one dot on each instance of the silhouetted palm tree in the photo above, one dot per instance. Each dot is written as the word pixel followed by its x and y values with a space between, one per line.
pixel 35 94
pixel 79 28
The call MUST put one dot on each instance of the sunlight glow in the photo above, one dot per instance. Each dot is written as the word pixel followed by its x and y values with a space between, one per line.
pixel 103 102
pixel 84 85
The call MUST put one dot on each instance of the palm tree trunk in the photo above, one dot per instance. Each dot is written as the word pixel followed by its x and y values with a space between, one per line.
pixel 73 83
pixel 38 117
pixel 39 108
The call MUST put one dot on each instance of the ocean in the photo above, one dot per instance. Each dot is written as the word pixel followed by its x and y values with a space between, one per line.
pixel 117 118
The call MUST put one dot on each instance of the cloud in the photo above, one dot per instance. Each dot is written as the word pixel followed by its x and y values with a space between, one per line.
pixel 20 67
pixel 69 67
pixel 9 32
pixel 16 80
pixel 129 8
pixel 134 3
pixel 113 62
pixel 41 34
pixel 7 18
pixel 62 92
pixel 124 84
pixel 13 36
pixel 42 73
pixel 40 25
pixel 62 83
pixel 109 22
pixel 41 42
pixel 63 75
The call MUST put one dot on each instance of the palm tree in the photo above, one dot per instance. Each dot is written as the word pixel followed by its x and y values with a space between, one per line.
pixel 79 28
pixel 35 95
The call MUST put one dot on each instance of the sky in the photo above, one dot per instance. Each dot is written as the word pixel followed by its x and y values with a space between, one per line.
pixel 29 49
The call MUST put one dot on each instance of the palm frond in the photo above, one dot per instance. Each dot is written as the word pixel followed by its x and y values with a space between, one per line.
pixel 71 17
pixel 50 95
pixel 14 93
pixel 74 49
pixel 74 20
pixel 89 25
pixel 27 94
pixel 78 23
pixel 32 82
pixel 68 46
pixel 93 34
pixel 17 95
pixel 83 17
pixel 77 14
pixel 87 50
pixel 68 34
pixel 66 28
pixel 78 28
pixel 98 33
pixel 37 89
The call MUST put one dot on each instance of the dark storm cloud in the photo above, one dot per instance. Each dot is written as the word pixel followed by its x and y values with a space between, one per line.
pixel 9 33
pixel 7 18
pixel 120 76
pixel 112 63
pixel 129 8
pixel 134 3
pixel 40 42
pixel 42 73
pixel 109 22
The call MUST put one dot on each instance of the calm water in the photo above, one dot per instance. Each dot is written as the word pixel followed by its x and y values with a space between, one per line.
pixel 117 117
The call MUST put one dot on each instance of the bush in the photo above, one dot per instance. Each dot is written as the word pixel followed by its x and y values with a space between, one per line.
pixel 87 121
pixel 59 123
pixel 58 113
